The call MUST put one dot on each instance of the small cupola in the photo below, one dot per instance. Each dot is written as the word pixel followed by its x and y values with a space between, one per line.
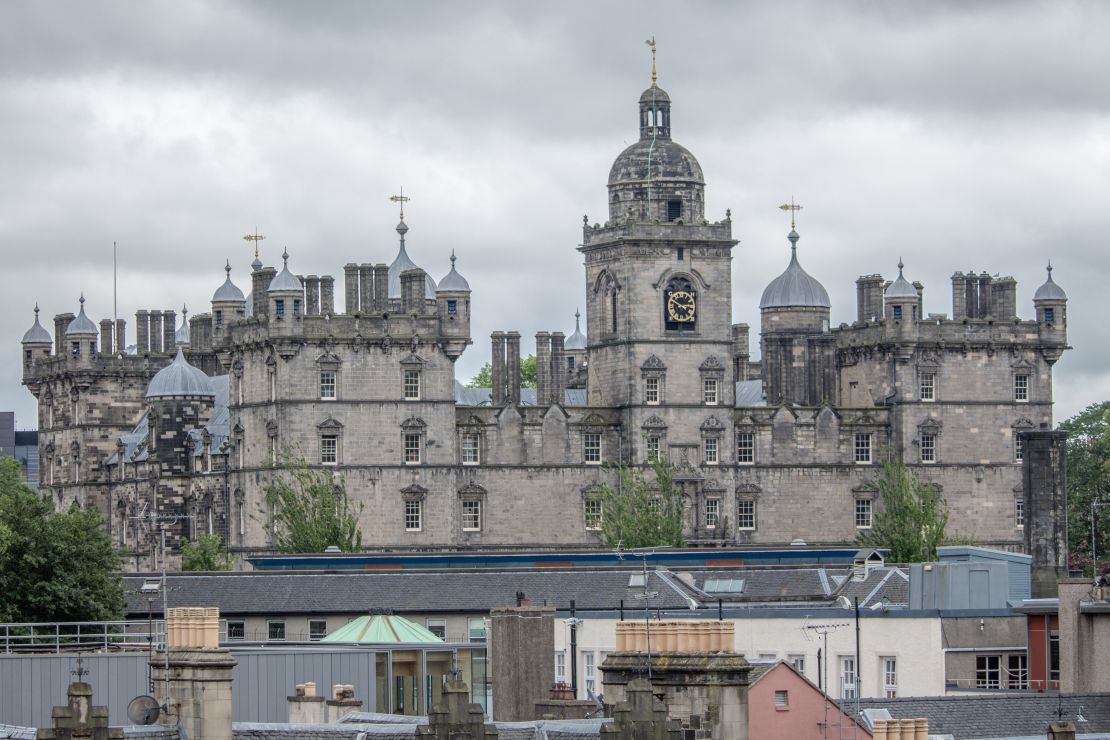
pixel 82 326
pixel 453 282
pixel 37 334
pixel 180 379
pixel 901 298
pixel 286 292
pixel 1050 291
pixel 655 107
pixel 794 288
pixel 1051 303
pixel 577 340
pixel 181 336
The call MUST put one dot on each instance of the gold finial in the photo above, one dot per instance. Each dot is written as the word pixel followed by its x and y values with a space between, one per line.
pixel 402 199
pixel 651 42
pixel 255 237
pixel 792 207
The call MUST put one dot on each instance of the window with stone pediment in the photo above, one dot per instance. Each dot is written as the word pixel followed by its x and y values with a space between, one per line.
pixel 654 373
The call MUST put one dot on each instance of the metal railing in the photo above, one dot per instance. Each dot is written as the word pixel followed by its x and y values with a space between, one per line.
pixel 63 637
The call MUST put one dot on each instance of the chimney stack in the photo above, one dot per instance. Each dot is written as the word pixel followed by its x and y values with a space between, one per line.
pixel 121 336
pixel 169 331
pixel 327 295
pixel 105 336
pixel 350 288
pixel 543 368
pixel 512 366
pixel 558 369
pixel 498 391
pixel 381 288
pixel 366 288
pixel 142 332
pixel 311 296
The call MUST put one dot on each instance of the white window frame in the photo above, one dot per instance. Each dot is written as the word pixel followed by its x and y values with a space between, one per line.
pixel 652 442
pixel 242 629
pixel 988 677
pixel 593 512
pixel 712 454
pixel 928 447
pixel 311 638
pixel 413 452
pixel 1019 513
pixel 329 456
pixel 589 672
pixel 799 662
pixel 476 630
pixel 652 393
pixel 560 666
pixel 862 448
pixel 710 391
pixel 472 515
pixel 782 699
pixel 848 686
pixel 712 513
pixel 1021 387
pixel 410 384
pixel 746 512
pixel 927 386
pixel 864 513
pixel 414 515
pixel 890 677
pixel 745 448
pixel 434 624
pixel 1019 446
pixel 328 385
pixel 270 625
pixel 471 448
pixel 591 448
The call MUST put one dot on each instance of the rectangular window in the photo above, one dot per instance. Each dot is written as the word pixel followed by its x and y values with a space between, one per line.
pixel 236 630
pixel 275 630
pixel 651 391
pixel 928 447
pixel 745 448
pixel 412 385
pixel 590 672
pixel 591 448
pixel 317 629
pixel 1021 388
pixel 745 514
pixel 863 448
pixel 76 348
pixel 1019 447
pixel 988 672
pixel 847 677
pixel 712 513
pixel 593 513
pixel 412 449
pixel 279 307
pixel 782 699
pixel 927 386
pixel 327 384
pixel 890 678
pixel 1017 672
pixel 219 317
pixel 413 516
pixel 711 451
pixel 560 667
pixel 472 516
pixel 438 627
pixel 1054 655
pixel 452 308
pixel 1019 513
pixel 674 210
pixel 570 363
pixel 296 307
pixel 329 449
pixel 476 629
pixel 1049 315
pixel 709 391
pixel 799 663
pixel 471 444
pixel 652 448
pixel 863 513
pixel 897 313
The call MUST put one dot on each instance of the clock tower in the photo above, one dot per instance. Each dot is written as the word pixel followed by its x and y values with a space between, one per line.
pixel 659 302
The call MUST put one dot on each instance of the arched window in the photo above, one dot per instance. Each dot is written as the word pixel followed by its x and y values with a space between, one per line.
pixel 680 305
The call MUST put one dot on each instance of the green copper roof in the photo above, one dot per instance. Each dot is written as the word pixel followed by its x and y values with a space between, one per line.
pixel 381 628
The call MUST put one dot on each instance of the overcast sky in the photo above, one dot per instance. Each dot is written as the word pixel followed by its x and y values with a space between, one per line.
pixel 956 135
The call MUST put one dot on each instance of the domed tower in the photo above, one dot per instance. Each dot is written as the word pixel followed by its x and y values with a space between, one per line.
pixel 902 307
pixel 1051 304
pixel 575 347
pixel 228 306
pixel 36 343
pixel 453 307
pixel 798 351
pixel 180 398
pixel 80 335
pixel 286 300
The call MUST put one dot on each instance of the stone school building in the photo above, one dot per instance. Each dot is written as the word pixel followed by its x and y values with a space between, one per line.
pixel 188 420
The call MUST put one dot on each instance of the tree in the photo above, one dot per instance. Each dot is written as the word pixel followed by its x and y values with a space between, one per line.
pixel 54 566
pixel 641 512
pixel 1088 470
pixel 911 518
pixel 484 378
pixel 311 510
pixel 204 554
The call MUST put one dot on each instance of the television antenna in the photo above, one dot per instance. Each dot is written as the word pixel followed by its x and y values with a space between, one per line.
pixel 643 553
pixel 823 630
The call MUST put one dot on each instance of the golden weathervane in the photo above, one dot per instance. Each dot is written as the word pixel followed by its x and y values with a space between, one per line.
pixel 651 42
pixel 255 237
pixel 792 207
pixel 402 199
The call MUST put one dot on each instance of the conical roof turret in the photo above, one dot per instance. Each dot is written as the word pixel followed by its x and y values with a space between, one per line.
pixel 1050 291
pixel 795 288
pixel 179 378
pixel 82 326
pixel 37 334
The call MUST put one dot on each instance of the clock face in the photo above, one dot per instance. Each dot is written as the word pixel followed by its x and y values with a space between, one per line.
pixel 681 306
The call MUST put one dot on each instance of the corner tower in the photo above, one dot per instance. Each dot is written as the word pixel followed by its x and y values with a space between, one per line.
pixel 659 297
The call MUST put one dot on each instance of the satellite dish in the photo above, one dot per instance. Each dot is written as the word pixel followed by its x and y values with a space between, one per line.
pixel 143 710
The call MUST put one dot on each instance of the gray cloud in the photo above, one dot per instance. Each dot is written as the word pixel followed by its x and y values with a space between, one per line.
pixel 956 136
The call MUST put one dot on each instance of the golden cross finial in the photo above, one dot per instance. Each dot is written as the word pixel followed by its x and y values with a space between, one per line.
pixel 402 199
pixel 792 207
pixel 255 237
pixel 651 42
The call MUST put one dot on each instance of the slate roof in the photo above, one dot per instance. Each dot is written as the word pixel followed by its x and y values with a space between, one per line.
pixel 750 393
pixel 801 584
pixel 180 378
pixel 1009 715
pixel 264 730
pixel 887 582
pixel 541 729
pixel 482 396
pixel 795 287
pixel 37 333
pixel 414 592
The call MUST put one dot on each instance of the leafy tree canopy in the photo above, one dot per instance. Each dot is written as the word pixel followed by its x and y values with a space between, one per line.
pixel 1088 468
pixel 641 512
pixel 204 554
pixel 54 567
pixel 484 378
pixel 311 511
pixel 910 519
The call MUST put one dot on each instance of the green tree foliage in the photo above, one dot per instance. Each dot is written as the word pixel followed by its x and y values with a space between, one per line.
pixel 311 510
pixel 204 554
pixel 911 517
pixel 640 512
pixel 484 378
pixel 1088 468
pixel 54 567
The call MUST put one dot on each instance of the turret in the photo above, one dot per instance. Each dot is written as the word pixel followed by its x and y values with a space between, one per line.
pixel 453 308
pixel 228 305
pixel 575 349
pixel 902 307
pixel 180 398
pixel 181 336
pixel 286 300
pixel 36 343
pixel 80 335
pixel 1051 304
